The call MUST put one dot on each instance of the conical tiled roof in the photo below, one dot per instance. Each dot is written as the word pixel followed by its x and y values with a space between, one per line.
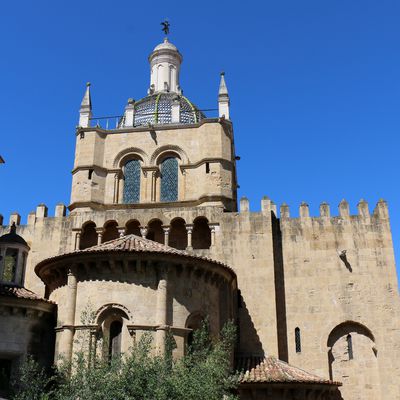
pixel 134 244
pixel 272 370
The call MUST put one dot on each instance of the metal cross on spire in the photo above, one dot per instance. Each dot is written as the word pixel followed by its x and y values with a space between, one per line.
pixel 165 26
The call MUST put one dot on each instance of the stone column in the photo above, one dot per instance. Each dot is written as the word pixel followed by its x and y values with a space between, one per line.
pixel 143 231
pixel 212 229
pixel 116 187
pixel 121 231
pixel 161 311
pixel 154 186
pixel 166 229
pixel 69 320
pixel 99 235
pixel 77 240
pixel 189 229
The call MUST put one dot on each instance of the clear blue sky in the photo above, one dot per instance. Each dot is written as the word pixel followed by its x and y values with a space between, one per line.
pixel 314 85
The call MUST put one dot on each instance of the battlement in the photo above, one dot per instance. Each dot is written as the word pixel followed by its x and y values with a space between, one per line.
pixel 40 213
pixel 267 205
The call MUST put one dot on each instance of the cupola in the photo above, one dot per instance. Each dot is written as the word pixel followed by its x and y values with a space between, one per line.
pixel 13 253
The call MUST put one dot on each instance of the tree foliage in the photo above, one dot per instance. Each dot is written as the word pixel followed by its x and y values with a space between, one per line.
pixel 204 373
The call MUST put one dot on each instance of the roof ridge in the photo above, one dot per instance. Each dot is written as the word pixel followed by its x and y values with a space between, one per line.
pixel 140 239
pixel 261 369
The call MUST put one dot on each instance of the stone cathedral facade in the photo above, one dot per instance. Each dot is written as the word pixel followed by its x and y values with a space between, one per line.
pixel 155 241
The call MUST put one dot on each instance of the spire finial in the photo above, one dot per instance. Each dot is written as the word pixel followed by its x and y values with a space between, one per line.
pixel 86 101
pixel 223 98
pixel 223 90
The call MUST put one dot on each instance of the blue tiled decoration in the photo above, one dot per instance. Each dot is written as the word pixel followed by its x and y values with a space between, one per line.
pixel 132 182
pixel 169 179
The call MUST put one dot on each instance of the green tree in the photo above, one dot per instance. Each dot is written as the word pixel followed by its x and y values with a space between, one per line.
pixel 204 373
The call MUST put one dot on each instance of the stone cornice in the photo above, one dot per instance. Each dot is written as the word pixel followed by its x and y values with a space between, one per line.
pixel 178 204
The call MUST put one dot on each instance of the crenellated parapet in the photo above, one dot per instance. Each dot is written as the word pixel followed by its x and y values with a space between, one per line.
pixel 40 213
pixel 343 211
pixel 380 211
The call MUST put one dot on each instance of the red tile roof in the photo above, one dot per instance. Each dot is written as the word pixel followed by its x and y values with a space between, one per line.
pixel 133 243
pixel 18 292
pixel 272 370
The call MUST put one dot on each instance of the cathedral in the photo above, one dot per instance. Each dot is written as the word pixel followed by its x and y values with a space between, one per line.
pixel 155 240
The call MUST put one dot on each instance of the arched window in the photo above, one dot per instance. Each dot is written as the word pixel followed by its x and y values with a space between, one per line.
pixel 169 179
pixel 297 339
pixel 132 227
pixel 178 234
pixel 110 231
pixel 132 182
pixel 88 236
pixel 114 345
pixel 155 231
pixel 201 237
pixel 349 346
pixel 194 322
pixel 10 265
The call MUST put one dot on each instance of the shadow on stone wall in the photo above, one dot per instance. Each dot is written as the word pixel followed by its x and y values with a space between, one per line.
pixel 280 298
pixel 249 341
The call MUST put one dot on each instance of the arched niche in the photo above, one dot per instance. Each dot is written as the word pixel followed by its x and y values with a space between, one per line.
pixel 155 231
pixel 110 231
pixel 178 234
pixel 112 321
pixel 194 322
pixel 88 235
pixel 201 236
pixel 352 358
pixel 132 227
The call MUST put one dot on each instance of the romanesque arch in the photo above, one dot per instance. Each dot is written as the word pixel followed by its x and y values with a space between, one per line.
pixel 88 235
pixel 112 321
pixel 178 234
pixel 132 227
pixel 164 151
pixel 129 153
pixel 352 358
pixel 155 231
pixel 201 236
pixel 110 231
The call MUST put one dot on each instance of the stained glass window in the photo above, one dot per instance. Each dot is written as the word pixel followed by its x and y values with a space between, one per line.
pixel 132 182
pixel 169 179
pixel 10 265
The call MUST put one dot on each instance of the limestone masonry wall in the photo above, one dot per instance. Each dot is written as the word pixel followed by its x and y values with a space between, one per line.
pixel 332 277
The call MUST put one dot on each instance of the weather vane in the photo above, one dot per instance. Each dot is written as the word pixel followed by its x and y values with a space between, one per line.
pixel 165 26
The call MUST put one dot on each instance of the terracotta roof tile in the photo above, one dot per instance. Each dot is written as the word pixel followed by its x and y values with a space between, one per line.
pixel 19 292
pixel 272 370
pixel 133 243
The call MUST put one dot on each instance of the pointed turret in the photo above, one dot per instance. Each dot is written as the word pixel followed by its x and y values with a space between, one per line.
pixel 85 112
pixel 223 98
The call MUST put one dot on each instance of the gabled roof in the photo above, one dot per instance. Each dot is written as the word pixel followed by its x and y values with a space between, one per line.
pixel 272 370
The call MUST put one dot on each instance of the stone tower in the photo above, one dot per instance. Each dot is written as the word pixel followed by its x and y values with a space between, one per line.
pixel 163 152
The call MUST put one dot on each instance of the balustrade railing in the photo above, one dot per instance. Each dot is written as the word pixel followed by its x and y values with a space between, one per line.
pixel 144 119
